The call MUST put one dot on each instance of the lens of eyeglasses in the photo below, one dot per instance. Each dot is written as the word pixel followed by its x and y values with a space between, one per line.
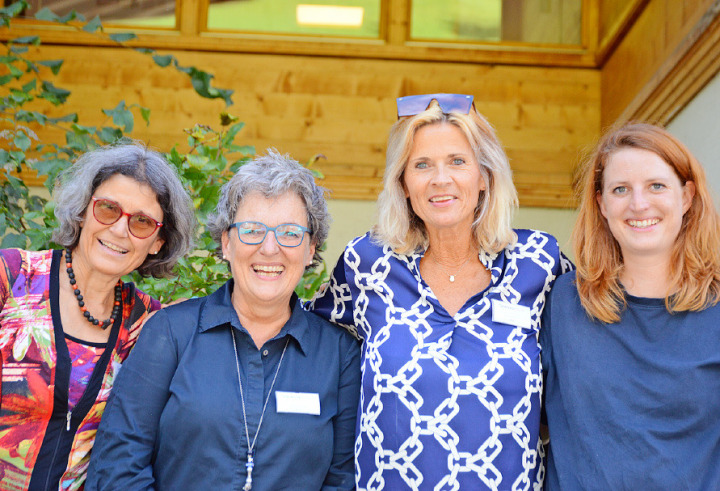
pixel 449 103
pixel 141 226
pixel 251 233
pixel 107 212
pixel 287 234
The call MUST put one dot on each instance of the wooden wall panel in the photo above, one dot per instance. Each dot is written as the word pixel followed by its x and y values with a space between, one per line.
pixel 344 108
pixel 663 32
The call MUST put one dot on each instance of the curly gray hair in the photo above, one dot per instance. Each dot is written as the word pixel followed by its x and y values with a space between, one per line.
pixel 273 175
pixel 78 183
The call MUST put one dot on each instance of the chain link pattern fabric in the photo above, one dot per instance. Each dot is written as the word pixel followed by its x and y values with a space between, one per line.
pixel 447 403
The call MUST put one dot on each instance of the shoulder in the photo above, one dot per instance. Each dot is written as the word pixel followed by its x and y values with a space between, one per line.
pixel 565 283
pixel 565 289
pixel 364 244
pixel 537 249
pixel 536 239
pixel 334 332
pixel 186 312
pixel 15 262
pixel 150 304
pixel 367 249
pixel 17 257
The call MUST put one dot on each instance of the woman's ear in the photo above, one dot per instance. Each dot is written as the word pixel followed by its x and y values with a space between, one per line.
pixel 688 195
pixel 225 244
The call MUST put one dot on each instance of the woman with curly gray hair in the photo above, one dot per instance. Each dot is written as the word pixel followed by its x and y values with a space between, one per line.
pixel 68 321
pixel 244 380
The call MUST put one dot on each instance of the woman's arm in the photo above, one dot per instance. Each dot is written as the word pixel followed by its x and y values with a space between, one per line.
pixel 341 475
pixel 123 450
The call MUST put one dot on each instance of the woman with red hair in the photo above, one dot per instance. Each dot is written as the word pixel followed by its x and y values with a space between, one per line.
pixel 630 340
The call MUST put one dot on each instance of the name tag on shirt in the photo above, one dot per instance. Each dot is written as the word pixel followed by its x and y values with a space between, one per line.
pixel 297 402
pixel 511 313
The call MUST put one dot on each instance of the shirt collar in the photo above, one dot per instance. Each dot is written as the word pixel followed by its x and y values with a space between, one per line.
pixel 219 311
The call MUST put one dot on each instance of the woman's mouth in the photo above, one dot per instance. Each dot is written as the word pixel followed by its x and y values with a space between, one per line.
pixel 113 247
pixel 268 271
pixel 643 223
pixel 442 199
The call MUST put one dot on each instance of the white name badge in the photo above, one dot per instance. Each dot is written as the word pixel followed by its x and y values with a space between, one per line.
pixel 297 402
pixel 511 313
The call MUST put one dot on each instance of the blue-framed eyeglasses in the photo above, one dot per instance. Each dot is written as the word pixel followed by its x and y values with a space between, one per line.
pixel 449 103
pixel 286 234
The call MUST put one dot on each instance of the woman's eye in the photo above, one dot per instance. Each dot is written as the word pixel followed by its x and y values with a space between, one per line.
pixel 421 165
pixel 657 186
pixel 619 190
pixel 458 161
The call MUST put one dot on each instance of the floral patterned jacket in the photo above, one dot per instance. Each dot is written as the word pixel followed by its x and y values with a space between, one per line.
pixel 32 352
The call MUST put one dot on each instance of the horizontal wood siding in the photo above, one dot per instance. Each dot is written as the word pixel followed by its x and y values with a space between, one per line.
pixel 343 108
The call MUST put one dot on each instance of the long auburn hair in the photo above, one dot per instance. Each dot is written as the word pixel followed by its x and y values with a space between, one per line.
pixel 695 263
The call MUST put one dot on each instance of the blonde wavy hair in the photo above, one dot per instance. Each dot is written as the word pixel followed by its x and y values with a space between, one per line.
pixel 402 230
pixel 695 263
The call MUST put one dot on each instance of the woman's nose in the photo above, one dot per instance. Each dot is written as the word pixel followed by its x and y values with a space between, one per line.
pixel 120 228
pixel 638 200
pixel 269 244
pixel 441 175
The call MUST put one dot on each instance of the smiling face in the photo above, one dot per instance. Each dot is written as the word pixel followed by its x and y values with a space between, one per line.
pixel 110 249
pixel 644 202
pixel 267 273
pixel 442 178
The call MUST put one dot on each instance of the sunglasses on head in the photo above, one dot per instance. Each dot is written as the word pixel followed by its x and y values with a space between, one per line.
pixel 108 212
pixel 449 103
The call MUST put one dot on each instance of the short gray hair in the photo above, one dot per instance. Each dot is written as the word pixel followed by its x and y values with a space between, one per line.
pixel 273 175
pixel 77 184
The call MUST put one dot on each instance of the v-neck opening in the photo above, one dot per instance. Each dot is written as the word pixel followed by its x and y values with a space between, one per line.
pixel 64 365
pixel 414 267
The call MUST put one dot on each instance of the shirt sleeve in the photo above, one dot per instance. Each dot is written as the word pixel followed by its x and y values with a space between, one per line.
pixel 334 303
pixel 341 475
pixel 121 457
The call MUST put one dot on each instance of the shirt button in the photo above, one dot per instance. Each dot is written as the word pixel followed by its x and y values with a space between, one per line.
pixel 265 352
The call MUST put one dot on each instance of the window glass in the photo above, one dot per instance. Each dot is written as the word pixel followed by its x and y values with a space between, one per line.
pixel 152 13
pixel 530 21
pixel 346 18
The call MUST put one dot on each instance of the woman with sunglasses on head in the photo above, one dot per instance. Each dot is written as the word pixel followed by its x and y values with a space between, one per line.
pixel 447 299
pixel 630 341
pixel 247 390
pixel 68 321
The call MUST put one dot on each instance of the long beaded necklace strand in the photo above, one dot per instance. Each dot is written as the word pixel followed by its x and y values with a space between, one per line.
pixel 78 295
pixel 251 446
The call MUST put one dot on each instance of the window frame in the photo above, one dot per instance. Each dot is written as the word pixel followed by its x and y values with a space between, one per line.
pixel 393 43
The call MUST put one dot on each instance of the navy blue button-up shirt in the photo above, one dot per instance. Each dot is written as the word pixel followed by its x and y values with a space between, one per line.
pixel 174 419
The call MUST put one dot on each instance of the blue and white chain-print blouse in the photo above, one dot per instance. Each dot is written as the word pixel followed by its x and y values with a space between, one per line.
pixel 447 402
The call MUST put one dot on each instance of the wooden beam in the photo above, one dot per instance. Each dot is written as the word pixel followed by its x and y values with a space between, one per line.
pixel 683 74
pixel 396 47
pixel 619 27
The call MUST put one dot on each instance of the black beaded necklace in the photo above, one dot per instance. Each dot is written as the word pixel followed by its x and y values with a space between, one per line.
pixel 118 296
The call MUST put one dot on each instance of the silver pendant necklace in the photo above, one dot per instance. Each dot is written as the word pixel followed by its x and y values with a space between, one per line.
pixel 452 276
pixel 250 464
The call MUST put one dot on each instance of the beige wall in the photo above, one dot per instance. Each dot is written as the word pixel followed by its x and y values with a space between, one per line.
pixel 353 217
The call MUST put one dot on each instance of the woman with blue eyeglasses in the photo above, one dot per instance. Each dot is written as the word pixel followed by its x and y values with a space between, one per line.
pixel 243 388
pixel 447 299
